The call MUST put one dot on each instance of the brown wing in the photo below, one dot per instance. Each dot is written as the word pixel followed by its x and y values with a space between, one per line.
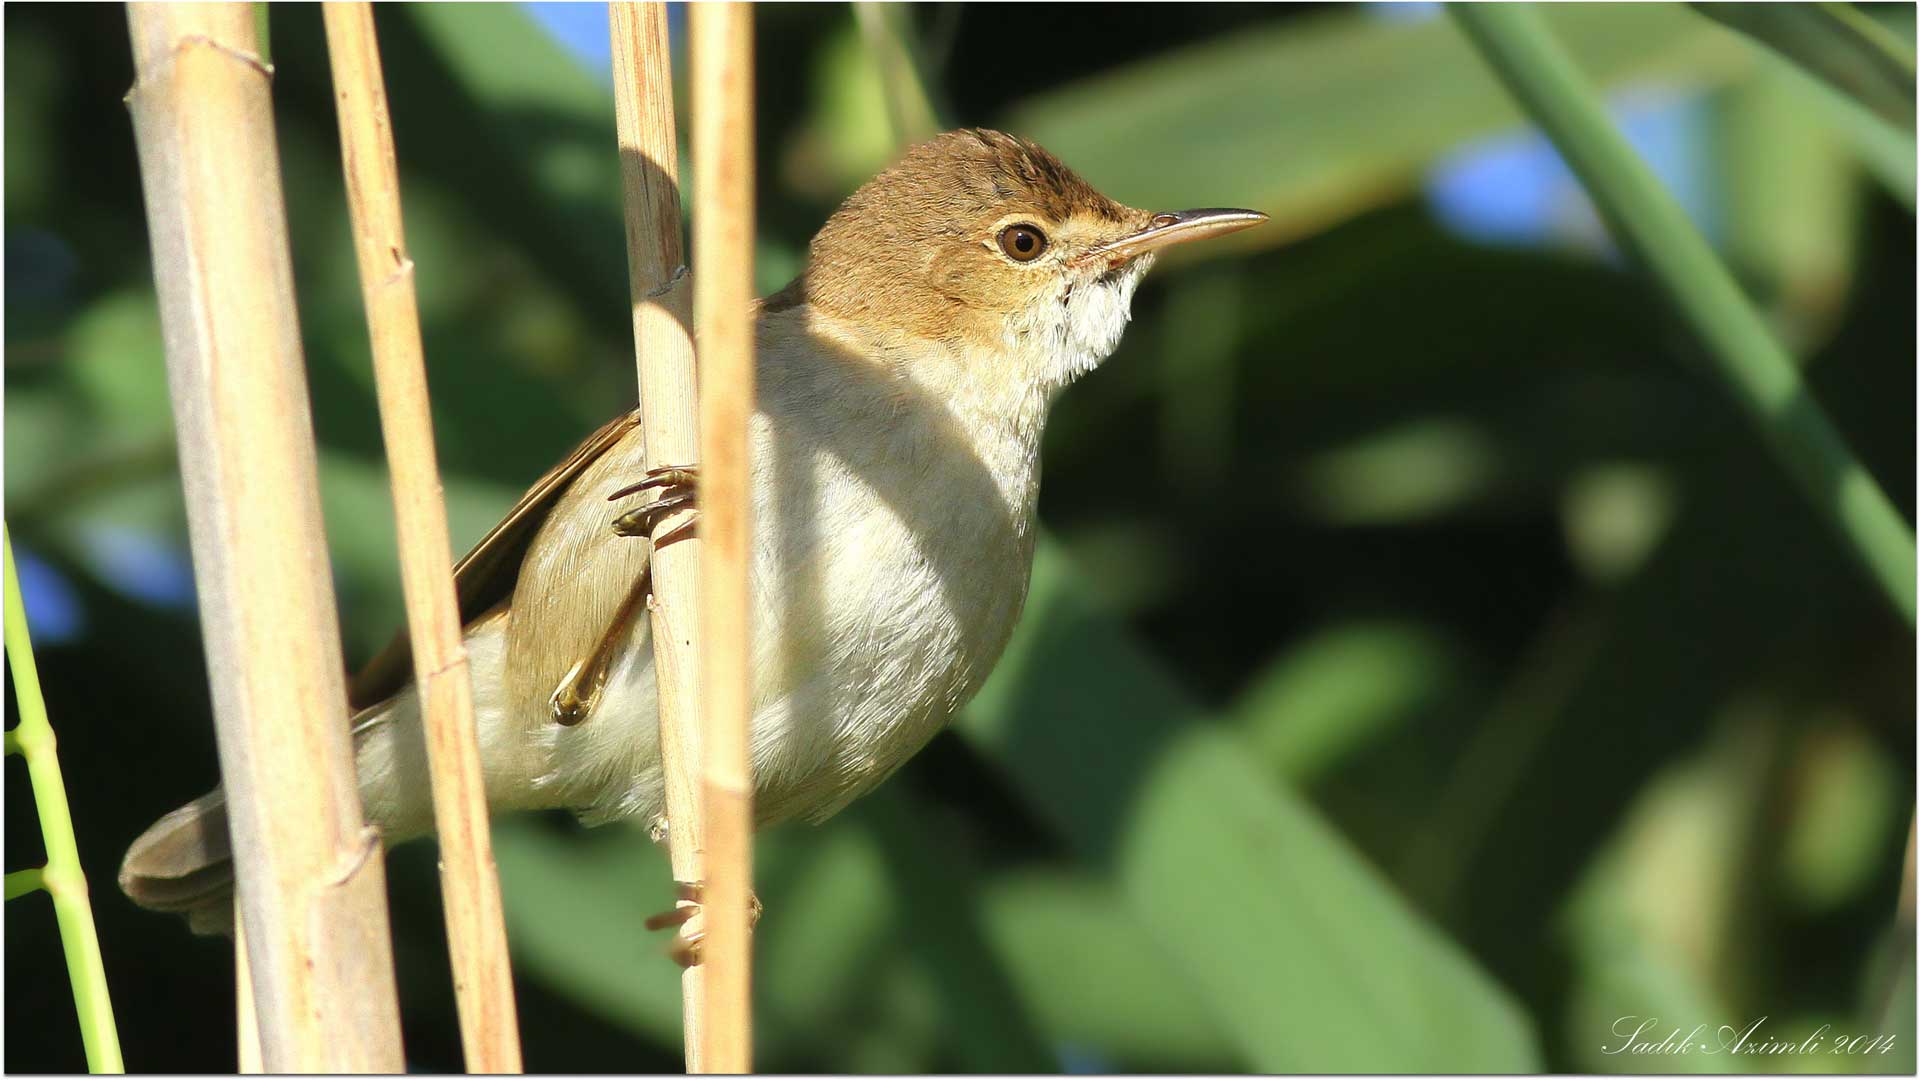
pixel 487 574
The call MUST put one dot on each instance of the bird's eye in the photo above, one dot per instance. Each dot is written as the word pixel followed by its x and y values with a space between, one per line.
pixel 1022 243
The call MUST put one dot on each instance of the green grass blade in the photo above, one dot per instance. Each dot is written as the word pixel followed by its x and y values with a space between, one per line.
pixel 1836 43
pixel 1744 353
pixel 62 876
pixel 910 110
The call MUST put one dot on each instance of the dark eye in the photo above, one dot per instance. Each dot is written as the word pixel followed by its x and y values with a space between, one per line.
pixel 1022 243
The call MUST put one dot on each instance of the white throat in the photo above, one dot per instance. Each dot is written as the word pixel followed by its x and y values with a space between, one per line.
pixel 1069 333
pixel 994 398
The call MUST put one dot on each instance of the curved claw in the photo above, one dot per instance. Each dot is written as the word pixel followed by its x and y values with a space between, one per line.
pixel 641 520
pixel 685 949
pixel 665 476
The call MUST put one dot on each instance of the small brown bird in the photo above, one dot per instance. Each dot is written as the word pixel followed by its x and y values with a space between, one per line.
pixel 903 378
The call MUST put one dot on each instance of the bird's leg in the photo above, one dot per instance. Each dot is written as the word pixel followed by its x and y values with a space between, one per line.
pixel 685 950
pixel 573 700
pixel 677 484
pixel 579 691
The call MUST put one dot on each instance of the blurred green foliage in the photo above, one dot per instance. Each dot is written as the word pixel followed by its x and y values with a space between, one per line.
pixel 1425 670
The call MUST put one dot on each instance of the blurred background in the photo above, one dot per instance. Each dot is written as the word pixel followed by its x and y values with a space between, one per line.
pixel 1426 667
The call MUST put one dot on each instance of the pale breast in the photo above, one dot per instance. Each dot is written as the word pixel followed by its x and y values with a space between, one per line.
pixel 892 546
pixel 889 581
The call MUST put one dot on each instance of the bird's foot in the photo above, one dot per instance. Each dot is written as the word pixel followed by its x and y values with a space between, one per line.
pixel 676 484
pixel 685 949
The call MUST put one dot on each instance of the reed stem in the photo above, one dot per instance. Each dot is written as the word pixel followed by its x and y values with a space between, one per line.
pixel 309 875
pixel 246 1018
pixel 670 426
pixel 469 880
pixel 722 81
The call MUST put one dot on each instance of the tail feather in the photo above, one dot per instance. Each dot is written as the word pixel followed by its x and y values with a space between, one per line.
pixel 184 864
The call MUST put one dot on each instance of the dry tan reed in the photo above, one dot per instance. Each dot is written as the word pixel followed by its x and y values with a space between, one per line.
pixel 311 882
pixel 722 87
pixel 670 422
pixel 246 1018
pixel 469 881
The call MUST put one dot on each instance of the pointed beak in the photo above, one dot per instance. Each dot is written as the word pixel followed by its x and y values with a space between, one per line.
pixel 1177 227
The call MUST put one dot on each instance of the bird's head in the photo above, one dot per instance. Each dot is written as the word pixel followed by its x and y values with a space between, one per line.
pixel 988 243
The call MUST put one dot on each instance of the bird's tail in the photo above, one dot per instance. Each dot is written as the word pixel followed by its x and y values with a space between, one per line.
pixel 184 863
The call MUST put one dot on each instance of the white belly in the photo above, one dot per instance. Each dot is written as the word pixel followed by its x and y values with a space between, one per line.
pixel 881 612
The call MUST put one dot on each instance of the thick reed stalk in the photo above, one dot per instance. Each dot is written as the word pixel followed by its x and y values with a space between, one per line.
pixel 722 70
pixel 670 425
pixel 1745 355
pixel 309 874
pixel 469 881
pixel 62 877
pixel 246 1018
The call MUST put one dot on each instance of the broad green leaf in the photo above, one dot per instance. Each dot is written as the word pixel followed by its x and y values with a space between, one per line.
pixel 573 914
pixel 1844 818
pixel 1306 956
pixel 1341 689
pixel 532 147
pixel 1646 924
pixel 827 937
pixel 1837 43
pixel 537 156
pixel 1890 997
pixel 117 363
pixel 356 500
pixel 937 892
pixel 1614 514
pixel 1886 151
pixel 1418 470
pixel 1793 192
pixel 1084 966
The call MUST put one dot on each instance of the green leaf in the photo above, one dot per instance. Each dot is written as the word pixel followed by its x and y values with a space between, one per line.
pixel 1836 43
pixel 573 914
pixel 532 151
pixel 1844 818
pixel 1086 968
pixel 1344 687
pixel 1793 186
pixel 994 1033
pixel 1305 955
pixel 1647 927
pixel 356 498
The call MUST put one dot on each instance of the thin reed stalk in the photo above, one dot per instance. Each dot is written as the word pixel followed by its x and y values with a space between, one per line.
pixel 310 880
pixel 722 84
pixel 469 880
pixel 670 425
pixel 1755 368
pixel 62 877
